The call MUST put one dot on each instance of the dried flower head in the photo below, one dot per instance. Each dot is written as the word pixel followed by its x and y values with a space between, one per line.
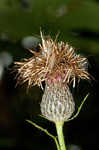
pixel 55 62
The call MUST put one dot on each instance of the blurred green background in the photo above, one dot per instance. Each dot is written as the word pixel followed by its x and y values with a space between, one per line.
pixel 77 22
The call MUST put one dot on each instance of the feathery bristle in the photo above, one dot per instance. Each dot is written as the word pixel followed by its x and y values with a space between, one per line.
pixel 54 62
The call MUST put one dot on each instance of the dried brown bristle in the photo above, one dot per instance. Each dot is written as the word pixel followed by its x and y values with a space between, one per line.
pixel 54 62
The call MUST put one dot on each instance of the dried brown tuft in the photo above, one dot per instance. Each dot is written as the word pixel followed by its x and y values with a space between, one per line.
pixel 54 62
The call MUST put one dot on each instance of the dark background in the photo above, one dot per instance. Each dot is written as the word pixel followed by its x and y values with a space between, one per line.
pixel 77 21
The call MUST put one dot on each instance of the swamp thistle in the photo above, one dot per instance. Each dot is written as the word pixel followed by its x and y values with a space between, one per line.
pixel 58 65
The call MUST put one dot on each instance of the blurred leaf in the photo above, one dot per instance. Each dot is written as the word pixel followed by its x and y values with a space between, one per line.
pixel 19 23
pixel 48 15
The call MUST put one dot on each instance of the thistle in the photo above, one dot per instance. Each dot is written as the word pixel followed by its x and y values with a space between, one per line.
pixel 53 63
pixel 59 65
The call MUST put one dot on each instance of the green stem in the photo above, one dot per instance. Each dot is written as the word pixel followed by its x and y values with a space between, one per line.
pixel 59 129
pixel 79 109
pixel 44 130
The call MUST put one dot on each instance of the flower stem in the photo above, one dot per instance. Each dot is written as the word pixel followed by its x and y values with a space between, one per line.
pixel 59 129
pixel 44 130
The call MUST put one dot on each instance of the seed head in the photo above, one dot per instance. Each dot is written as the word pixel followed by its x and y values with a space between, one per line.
pixel 55 62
